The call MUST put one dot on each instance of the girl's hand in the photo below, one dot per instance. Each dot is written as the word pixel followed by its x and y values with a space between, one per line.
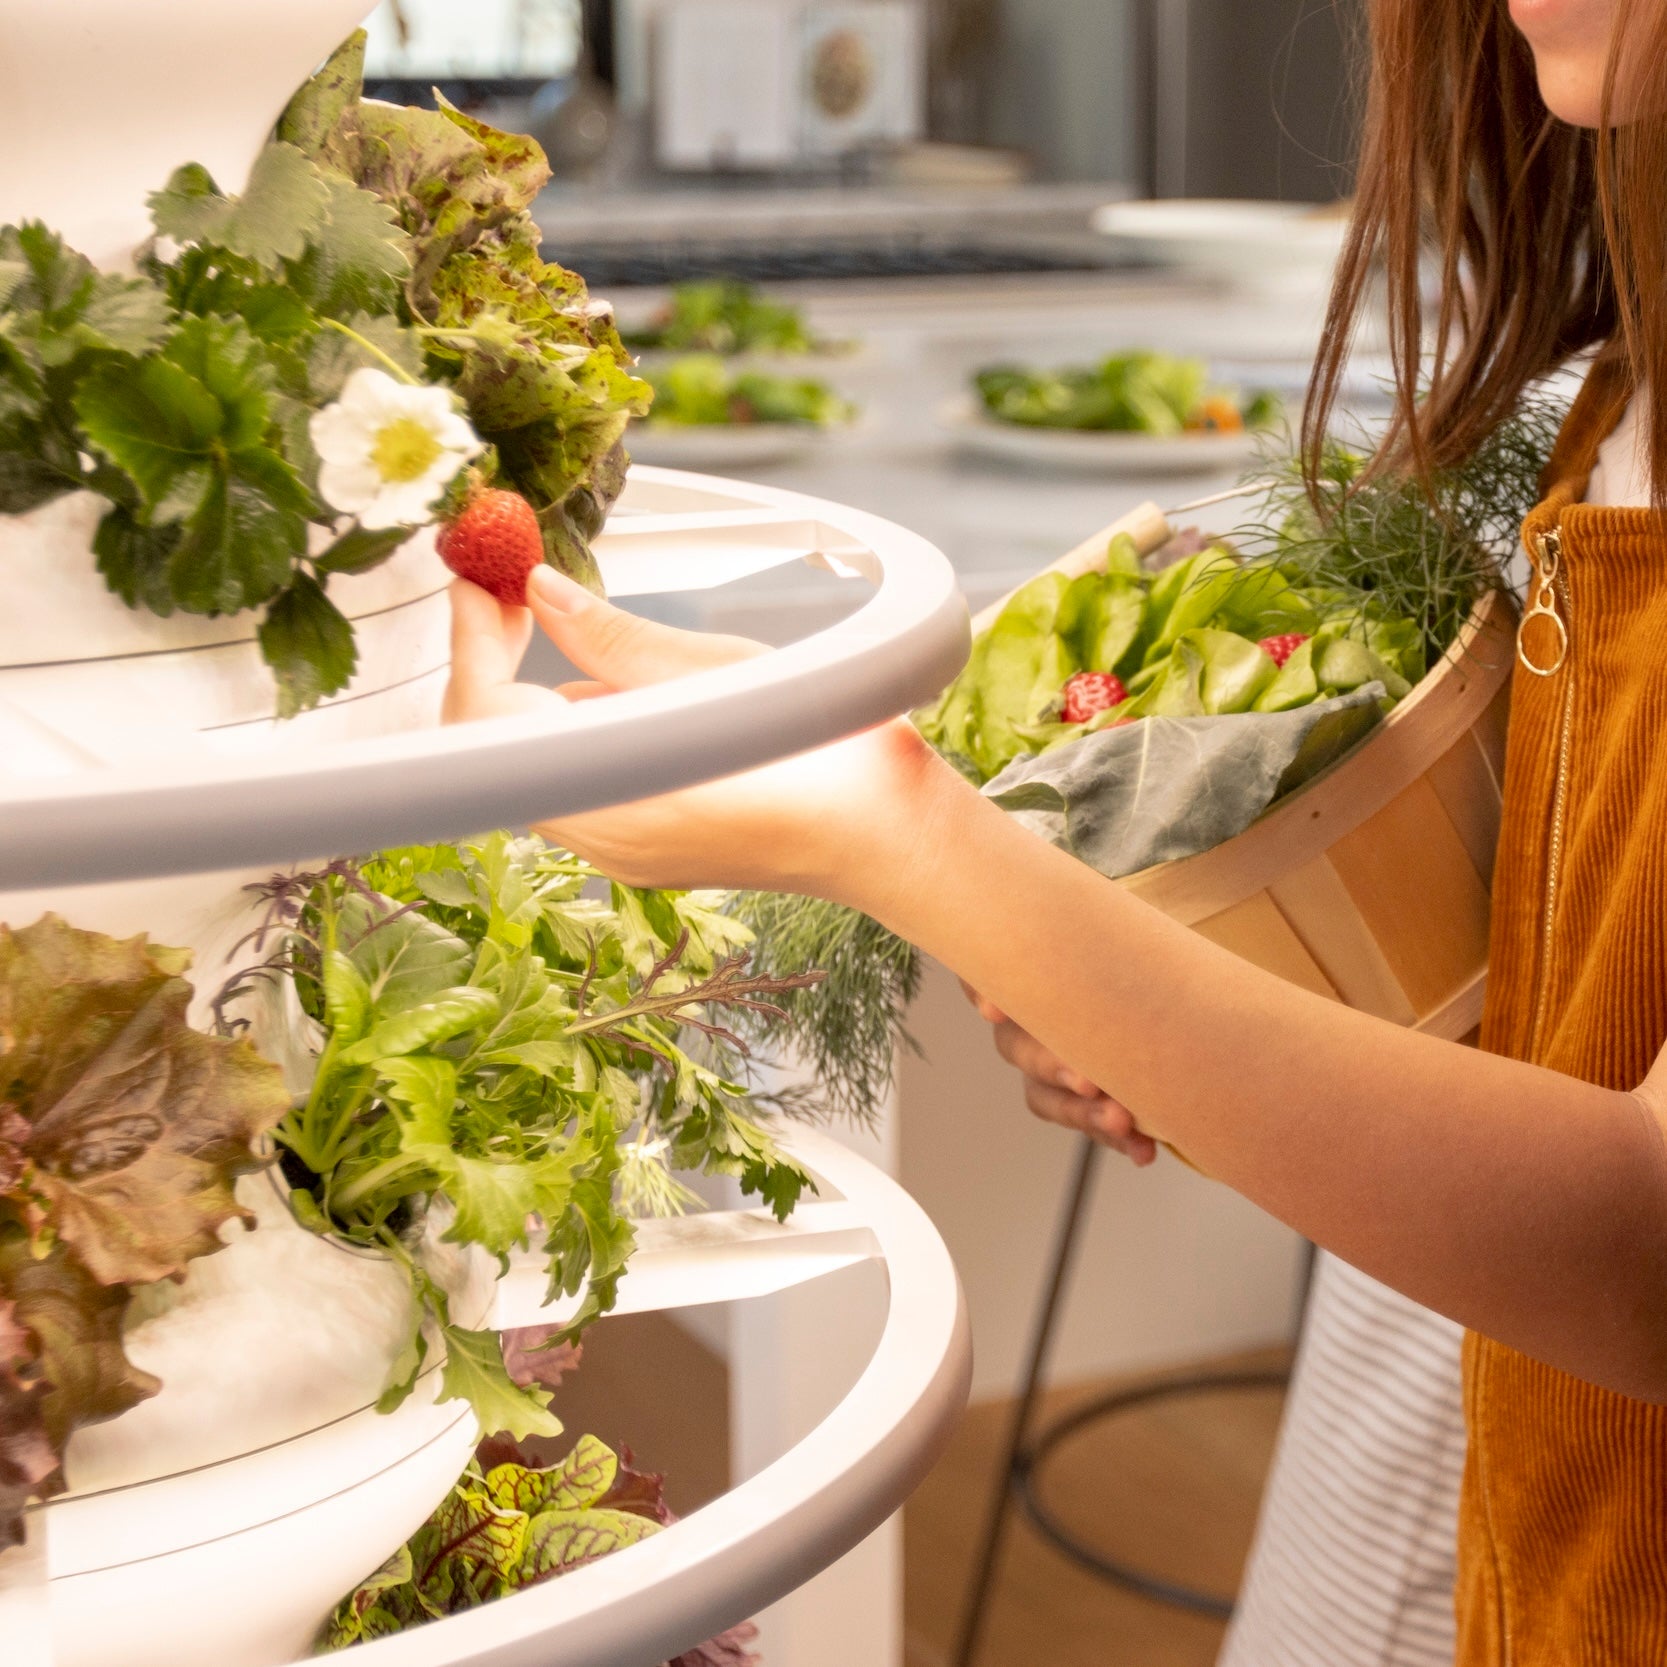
pixel 844 816
pixel 1057 1094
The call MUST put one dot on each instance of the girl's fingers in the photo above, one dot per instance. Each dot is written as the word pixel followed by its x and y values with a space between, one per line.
pixel 1102 1119
pixel 621 650
pixel 488 641
pixel 987 1010
pixel 1019 1048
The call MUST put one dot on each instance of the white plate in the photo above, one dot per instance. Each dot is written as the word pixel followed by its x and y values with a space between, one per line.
pixel 723 446
pixel 1097 452
pixel 1284 247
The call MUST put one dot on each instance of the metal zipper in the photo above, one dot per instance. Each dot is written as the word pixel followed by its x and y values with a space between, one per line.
pixel 1551 601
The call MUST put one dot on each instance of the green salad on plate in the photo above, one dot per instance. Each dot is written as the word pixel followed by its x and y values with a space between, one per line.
pixel 1127 393
pixel 700 390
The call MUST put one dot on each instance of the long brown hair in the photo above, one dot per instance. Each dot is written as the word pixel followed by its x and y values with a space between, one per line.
pixel 1549 238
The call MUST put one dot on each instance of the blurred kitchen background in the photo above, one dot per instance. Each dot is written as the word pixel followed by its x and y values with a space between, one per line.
pixel 936 185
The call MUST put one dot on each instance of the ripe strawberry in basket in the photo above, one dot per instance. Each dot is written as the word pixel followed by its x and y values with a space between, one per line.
pixel 1280 649
pixel 1089 693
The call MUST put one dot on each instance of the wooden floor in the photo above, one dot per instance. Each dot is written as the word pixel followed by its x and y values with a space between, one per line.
pixel 1173 1486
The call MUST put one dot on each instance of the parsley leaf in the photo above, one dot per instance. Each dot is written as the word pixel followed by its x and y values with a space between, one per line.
pixel 474 1372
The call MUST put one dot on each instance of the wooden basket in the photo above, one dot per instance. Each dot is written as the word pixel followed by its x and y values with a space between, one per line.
pixel 1370 884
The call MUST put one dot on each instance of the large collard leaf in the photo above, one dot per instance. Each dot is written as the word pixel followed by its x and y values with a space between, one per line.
pixel 138 1124
pixel 1122 799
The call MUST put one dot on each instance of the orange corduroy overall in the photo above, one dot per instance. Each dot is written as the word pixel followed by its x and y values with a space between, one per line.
pixel 1563 1519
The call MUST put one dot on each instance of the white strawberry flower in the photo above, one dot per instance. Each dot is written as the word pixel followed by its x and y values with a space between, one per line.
pixel 388 449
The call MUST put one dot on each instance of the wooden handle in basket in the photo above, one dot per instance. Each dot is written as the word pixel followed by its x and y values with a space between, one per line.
pixel 1145 524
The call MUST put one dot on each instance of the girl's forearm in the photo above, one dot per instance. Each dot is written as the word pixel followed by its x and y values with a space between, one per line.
pixel 1523 1203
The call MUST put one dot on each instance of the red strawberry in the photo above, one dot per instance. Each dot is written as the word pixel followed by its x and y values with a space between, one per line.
pixel 495 542
pixel 1090 692
pixel 1280 649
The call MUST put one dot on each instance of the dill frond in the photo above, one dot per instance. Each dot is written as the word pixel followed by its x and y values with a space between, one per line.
pixel 1428 556
pixel 845 1031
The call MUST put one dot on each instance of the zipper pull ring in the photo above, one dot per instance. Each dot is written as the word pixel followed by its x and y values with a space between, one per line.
pixel 1548 548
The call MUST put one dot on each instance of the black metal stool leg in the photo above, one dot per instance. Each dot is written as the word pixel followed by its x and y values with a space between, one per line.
pixel 995 1528
pixel 1016 1479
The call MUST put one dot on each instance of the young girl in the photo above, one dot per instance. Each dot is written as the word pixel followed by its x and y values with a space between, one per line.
pixel 1520 1189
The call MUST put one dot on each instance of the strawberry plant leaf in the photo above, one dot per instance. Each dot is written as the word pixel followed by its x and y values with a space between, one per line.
pixel 150 419
pixel 474 1372
pixel 282 207
pixel 60 306
pixel 359 257
pixel 308 643
pixel 333 357
pixel 224 357
pixel 359 549
pixel 27 479
pixel 238 547
pixel 133 559
pixel 139 1125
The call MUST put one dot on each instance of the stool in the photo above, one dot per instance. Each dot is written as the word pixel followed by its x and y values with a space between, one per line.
pixel 1016 1479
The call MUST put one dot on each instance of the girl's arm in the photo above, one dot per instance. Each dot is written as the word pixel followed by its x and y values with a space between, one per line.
pixel 1523 1203
pixel 1528 1205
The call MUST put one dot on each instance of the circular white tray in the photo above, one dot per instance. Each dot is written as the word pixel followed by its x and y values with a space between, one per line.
pixel 193 810
pixel 757 1542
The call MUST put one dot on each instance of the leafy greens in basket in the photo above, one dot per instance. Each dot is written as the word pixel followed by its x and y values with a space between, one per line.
pixel 1405 553
pixel 1206 636
pixel 1130 393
